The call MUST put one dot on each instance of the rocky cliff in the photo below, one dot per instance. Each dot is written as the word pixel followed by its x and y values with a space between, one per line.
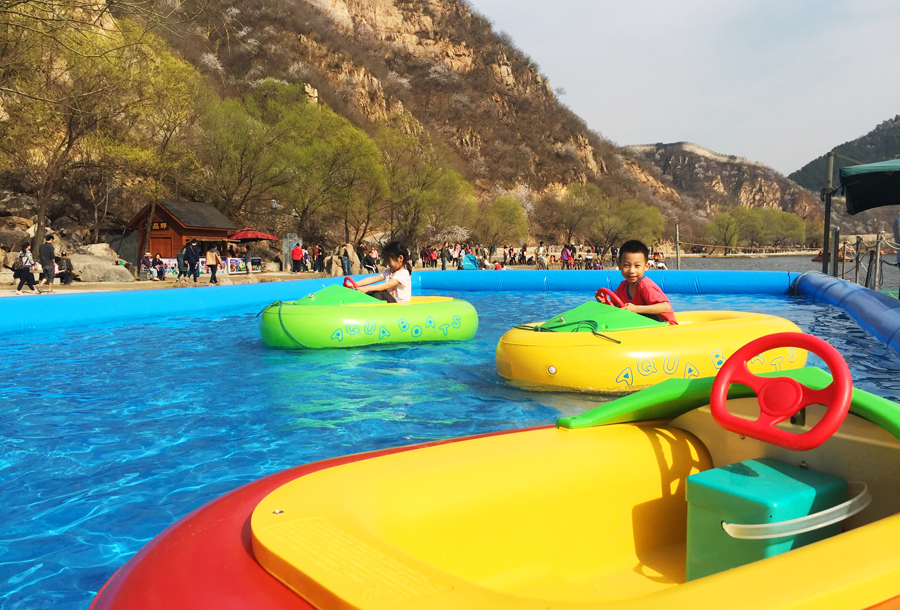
pixel 418 64
pixel 718 181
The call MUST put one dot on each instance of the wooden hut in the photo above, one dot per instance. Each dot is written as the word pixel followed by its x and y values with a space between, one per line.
pixel 177 222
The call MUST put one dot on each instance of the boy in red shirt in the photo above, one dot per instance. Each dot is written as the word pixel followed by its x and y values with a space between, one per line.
pixel 640 294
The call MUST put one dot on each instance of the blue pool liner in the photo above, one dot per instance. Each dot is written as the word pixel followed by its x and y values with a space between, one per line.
pixel 877 313
pixel 25 314
pixel 673 282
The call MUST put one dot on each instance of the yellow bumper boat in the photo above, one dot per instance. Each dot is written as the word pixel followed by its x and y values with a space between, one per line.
pixel 599 348
pixel 606 511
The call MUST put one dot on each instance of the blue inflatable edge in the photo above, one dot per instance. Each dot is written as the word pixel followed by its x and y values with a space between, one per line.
pixel 36 313
pixel 877 313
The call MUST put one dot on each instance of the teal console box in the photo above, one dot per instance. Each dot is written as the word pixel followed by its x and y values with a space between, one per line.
pixel 753 492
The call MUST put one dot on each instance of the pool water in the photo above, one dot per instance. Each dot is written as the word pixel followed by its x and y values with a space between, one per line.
pixel 110 435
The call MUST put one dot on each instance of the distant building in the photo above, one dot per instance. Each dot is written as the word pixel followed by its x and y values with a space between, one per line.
pixel 177 222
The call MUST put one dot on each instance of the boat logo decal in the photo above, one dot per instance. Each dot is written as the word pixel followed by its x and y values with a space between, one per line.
pixel 456 322
pixel 429 322
pixel 403 324
pixel 690 370
pixel 370 328
pixel 338 336
pixel 353 329
pixel 626 376
pixel 445 328
pixel 416 331
pixel 776 363
pixel 646 366
pixel 384 332
pixel 759 359
pixel 670 370
pixel 791 354
pixel 717 359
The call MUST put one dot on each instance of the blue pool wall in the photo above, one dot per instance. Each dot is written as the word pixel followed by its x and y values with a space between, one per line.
pixel 877 313
pixel 27 314
pixel 673 282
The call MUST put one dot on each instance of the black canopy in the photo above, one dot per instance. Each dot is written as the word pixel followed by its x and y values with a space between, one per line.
pixel 872 185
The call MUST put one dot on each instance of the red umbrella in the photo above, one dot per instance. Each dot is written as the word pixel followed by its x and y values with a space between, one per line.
pixel 251 235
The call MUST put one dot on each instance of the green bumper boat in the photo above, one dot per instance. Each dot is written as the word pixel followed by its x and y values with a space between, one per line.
pixel 340 317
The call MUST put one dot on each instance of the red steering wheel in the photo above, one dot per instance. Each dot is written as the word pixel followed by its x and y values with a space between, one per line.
pixel 607 296
pixel 781 397
pixel 349 283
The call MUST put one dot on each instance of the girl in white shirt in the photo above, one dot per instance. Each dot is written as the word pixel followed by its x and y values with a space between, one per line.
pixel 397 284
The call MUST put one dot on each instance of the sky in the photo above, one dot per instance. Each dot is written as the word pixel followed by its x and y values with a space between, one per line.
pixel 779 82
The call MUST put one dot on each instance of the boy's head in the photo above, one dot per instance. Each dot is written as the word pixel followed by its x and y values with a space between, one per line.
pixel 633 257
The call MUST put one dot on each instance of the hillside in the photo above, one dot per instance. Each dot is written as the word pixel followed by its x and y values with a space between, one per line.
pixel 434 67
pixel 717 181
pixel 880 144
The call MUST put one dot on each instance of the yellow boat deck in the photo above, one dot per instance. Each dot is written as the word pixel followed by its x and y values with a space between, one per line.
pixel 549 518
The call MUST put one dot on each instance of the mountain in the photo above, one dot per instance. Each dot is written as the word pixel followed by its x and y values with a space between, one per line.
pixel 435 65
pixel 880 144
pixel 715 181
pixel 424 66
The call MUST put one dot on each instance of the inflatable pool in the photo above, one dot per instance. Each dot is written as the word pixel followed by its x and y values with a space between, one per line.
pixel 340 317
pixel 600 348
pixel 677 496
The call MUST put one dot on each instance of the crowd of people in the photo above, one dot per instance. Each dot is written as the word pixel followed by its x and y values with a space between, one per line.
pixel 189 261
pixel 541 256
pixel 51 268
pixel 307 259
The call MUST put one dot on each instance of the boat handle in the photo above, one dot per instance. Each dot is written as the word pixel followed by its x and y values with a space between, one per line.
pixel 792 527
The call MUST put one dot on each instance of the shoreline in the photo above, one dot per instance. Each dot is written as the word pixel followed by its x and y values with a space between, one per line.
pixel 8 289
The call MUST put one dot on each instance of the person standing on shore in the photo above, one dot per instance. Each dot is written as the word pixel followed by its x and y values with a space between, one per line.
pixel 320 259
pixel 192 257
pixel 46 256
pixel 296 258
pixel 248 259
pixel 213 260
pixel 22 269
pixel 182 265
pixel 346 266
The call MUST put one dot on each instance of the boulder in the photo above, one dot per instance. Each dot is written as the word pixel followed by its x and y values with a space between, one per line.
pixel 12 239
pixel 99 269
pixel 104 250
pixel 72 230
pixel 15 204
pixel 15 223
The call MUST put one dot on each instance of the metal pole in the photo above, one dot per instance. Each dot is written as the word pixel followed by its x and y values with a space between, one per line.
pixel 835 240
pixel 878 279
pixel 859 243
pixel 844 260
pixel 677 249
pixel 828 183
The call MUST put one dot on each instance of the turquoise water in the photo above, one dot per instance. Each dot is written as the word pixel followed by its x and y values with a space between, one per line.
pixel 111 435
